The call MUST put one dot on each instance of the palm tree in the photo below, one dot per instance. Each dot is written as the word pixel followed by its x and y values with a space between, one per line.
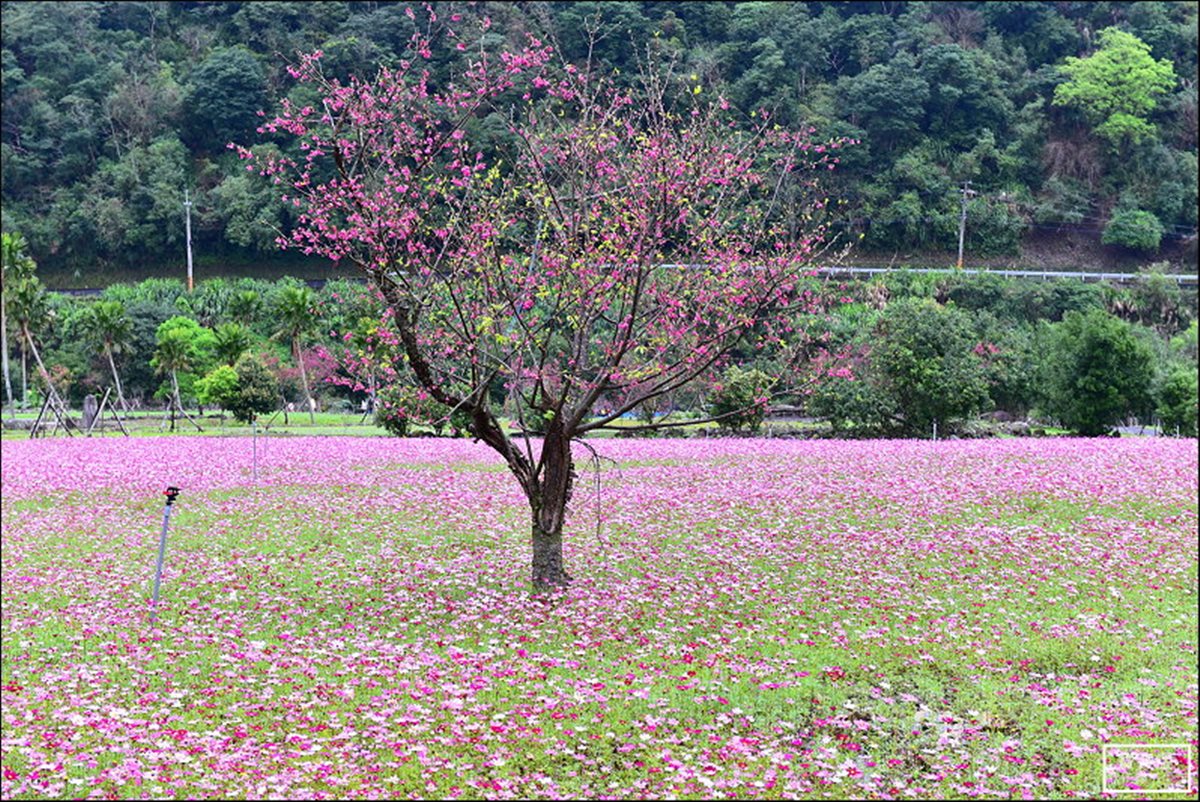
pixel 27 301
pixel 17 267
pixel 173 354
pixel 295 318
pixel 245 306
pixel 210 301
pixel 232 340
pixel 107 326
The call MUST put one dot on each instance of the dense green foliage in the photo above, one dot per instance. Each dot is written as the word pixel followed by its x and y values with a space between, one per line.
pixel 1057 112
pixel 1117 86
pixel 257 390
pixel 740 401
pixel 927 364
pixel 1177 399
pixel 184 351
pixel 1133 228
pixel 1097 373
pixel 391 413
pixel 231 340
pixel 923 347
pixel 920 366
pixel 916 347
pixel 18 269
pixel 401 407
pixel 219 386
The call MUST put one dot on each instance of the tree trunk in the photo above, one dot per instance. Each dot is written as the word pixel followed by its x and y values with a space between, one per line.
pixel 304 380
pixel 547 487
pixel 116 379
pixel 548 503
pixel 37 358
pixel 24 378
pixel 56 402
pixel 175 402
pixel 8 393
pixel 548 570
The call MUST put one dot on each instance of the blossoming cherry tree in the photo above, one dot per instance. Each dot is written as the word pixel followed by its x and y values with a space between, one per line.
pixel 631 242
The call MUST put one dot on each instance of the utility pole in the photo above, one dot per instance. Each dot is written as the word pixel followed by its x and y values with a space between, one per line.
pixel 187 205
pixel 962 221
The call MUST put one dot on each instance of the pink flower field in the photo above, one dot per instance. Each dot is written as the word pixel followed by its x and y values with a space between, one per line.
pixel 752 618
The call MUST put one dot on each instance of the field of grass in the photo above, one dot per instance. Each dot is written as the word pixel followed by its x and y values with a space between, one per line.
pixel 750 619
pixel 153 423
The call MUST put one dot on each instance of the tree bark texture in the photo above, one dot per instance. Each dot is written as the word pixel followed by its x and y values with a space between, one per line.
pixel 548 502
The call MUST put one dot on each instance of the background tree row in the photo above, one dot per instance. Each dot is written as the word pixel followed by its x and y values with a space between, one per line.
pixel 1064 116
pixel 912 349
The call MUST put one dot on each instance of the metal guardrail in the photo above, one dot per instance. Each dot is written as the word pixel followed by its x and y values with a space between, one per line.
pixel 1121 278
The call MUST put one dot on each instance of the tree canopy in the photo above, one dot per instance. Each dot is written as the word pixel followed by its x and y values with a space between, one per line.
pixel 1117 87
pixel 1100 374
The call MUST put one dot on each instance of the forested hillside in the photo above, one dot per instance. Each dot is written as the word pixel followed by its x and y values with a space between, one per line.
pixel 1074 121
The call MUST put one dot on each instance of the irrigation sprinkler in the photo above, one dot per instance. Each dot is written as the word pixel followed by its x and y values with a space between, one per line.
pixel 255 451
pixel 171 493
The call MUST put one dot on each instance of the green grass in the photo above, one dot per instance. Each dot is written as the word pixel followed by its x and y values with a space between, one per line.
pixel 152 424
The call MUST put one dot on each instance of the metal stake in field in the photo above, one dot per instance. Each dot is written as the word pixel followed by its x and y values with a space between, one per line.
pixel 256 451
pixel 171 493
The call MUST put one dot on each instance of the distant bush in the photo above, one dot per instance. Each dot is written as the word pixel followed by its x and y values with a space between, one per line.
pixel 921 364
pixel 854 405
pixel 1096 373
pixel 924 358
pixel 220 386
pixel 740 400
pixel 1176 396
pixel 1134 229
pixel 257 390
pixel 399 407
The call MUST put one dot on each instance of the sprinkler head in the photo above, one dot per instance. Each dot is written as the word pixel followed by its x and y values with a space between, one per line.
pixel 171 493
